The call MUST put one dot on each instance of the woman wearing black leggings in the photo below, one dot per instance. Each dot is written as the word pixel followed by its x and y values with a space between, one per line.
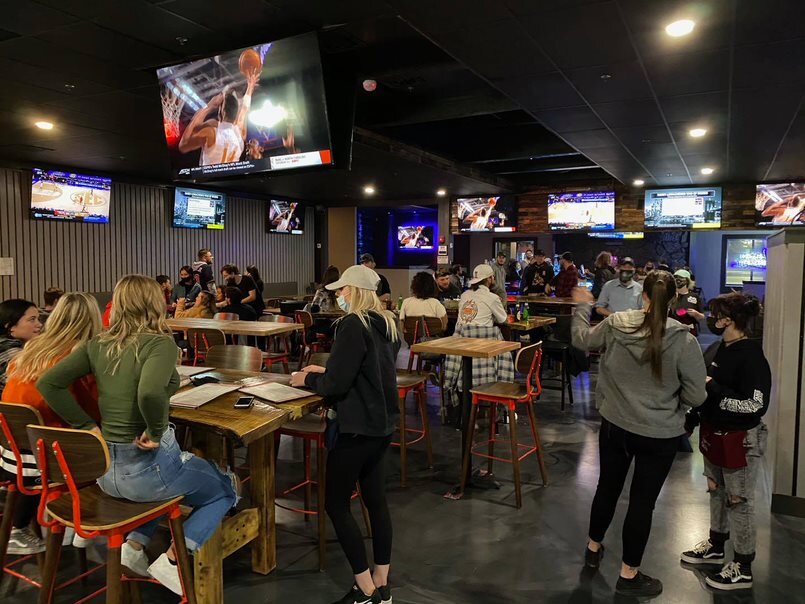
pixel 360 379
pixel 652 371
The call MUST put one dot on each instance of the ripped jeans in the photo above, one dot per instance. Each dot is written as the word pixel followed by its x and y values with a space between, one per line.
pixel 732 501
pixel 165 473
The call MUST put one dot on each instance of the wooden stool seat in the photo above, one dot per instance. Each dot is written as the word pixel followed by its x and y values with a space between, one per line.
pixel 101 512
pixel 508 390
pixel 409 380
pixel 309 424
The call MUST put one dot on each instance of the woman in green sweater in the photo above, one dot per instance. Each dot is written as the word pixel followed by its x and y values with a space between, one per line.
pixel 134 367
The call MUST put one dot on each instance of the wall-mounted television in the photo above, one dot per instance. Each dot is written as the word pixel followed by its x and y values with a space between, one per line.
pixel 57 195
pixel 617 235
pixel 198 209
pixel 487 214
pixel 780 204
pixel 683 208
pixel 415 237
pixel 254 109
pixel 589 210
pixel 285 217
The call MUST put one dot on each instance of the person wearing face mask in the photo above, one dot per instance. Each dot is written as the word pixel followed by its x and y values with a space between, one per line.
pixel 186 288
pixel 687 308
pixel 623 293
pixel 732 439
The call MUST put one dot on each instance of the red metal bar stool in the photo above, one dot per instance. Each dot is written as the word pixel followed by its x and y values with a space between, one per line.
pixel 309 348
pixel 408 382
pixel 509 394
pixel 283 357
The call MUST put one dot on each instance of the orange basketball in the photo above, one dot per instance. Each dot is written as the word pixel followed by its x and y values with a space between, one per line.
pixel 250 62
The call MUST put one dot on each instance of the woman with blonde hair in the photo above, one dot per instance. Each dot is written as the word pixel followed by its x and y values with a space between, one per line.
pixel 75 319
pixel 134 366
pixel 361 378
pixel 204 308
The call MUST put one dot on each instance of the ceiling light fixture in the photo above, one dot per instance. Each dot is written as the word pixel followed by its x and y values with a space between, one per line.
pixel 638 182
pixel 441 192
pixel 370 85
pixel 369 190
pixel 697 132
pixel 43 125
pixel 680 28
pixel 707 171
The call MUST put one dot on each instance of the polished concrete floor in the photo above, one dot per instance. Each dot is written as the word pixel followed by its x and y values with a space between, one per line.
pixel 481 550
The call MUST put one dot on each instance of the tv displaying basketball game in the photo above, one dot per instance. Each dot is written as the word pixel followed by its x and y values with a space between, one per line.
pixel 685 208
pixel 255 109
pixel 285 217
pixel 583 211
pixel 780 204
pixel 198 209
pixel 487 214
pixel 57 195
pixel 415 237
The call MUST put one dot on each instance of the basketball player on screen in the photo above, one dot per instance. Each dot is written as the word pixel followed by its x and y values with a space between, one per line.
pixel 222 138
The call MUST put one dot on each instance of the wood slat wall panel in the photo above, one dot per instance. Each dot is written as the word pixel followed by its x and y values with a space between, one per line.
pixel 139 238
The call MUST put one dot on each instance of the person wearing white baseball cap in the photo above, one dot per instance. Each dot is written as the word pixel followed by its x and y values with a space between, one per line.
pixel 478 305
pixel 687 307
pixel 360 381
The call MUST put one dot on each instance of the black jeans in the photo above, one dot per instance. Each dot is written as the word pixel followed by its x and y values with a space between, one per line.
pixel 27 505
pixel 359 459
pixel 653 458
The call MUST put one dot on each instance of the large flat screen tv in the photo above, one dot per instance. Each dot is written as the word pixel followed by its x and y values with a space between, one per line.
pixel 69 196
pixel 415 237
pixel 685 208
pixel 285 217
pixel 198 209
pixel 487 214
pixel 780 204
pixel 587 211
pixel 255 109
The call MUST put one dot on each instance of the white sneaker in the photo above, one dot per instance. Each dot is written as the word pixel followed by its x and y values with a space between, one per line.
pixel 22 542
pixel 167 574
pixel 82 543
pixel 134 559
pixel 69 533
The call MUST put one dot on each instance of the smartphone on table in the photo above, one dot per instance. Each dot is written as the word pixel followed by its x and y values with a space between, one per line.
pixel 244 402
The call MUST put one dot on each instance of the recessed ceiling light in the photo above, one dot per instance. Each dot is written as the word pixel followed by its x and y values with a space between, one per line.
pixel 707 171
pixel 43 125
pixel 606 76
pixel 441 192
pixel 369 190
pixel 680 28
pixel 69 86
pixel 638 182
pixel 697 132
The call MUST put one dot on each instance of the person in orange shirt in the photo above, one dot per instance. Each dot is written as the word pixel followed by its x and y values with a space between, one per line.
pixel 75 319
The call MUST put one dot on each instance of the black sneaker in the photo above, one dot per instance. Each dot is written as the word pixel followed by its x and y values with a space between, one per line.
pixel 593 559
pixel 356 596
pixel 385 594
pixel 704 553
pixel 732 576
pixel 641 586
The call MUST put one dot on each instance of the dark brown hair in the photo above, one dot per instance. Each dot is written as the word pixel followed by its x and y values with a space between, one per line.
pixel 423 286
pixel 232 269
pixel 660 288
pixel 234 295
pixel 331 275
pixel 11 312
pixel 738 307
pixel 52 295
pixel 603 260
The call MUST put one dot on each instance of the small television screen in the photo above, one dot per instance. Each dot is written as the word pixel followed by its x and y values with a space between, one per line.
pixel 687 208
pixel 489 214
pixel 780 204
pixel 617 235
pixel 198 209
pixel 415 237
pixel 69 196
pixel 248 110
pixel 286 217
pixel 590 211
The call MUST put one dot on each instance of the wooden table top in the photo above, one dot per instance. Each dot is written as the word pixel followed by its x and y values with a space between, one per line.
pixel 239 328
pixel 532 323
pixel 545 300
pixel 483 348
pixel 244 426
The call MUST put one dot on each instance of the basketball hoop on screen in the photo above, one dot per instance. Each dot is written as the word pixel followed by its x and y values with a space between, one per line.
pixel 171 110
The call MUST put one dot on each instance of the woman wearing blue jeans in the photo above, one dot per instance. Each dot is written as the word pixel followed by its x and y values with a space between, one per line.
pixel 134 367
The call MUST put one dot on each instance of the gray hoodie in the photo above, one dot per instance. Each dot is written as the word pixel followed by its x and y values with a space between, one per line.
pixel 627 394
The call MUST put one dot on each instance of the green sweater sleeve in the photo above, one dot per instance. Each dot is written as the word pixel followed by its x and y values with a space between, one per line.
pixel 158 381
pixel 54 384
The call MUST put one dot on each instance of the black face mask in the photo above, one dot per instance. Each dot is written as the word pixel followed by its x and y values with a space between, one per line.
pixel 626 276
pixel 681 283
pixel 711 325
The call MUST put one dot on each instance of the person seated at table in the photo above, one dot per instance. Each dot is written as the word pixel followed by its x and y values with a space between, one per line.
pixel 248 288
pixel 457 275
pixel 204 308
pixel 424 302
pixel 361 376
pixel 51 296
pixel 623 293
pixel 186 288
pixel 567 280
pixel 134 364
pixel 75 319
pixel 233 303
pixel 448 290
pixel 478 305
pixel 324 299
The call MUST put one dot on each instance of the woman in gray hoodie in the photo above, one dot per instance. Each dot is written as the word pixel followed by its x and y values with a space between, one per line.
pixel 651 372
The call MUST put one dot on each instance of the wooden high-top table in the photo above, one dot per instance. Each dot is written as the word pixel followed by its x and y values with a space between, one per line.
pixel 235 328
pixel 253 428
pixel 467 349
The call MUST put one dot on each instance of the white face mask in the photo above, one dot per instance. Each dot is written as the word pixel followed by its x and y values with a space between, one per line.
pixel 342 303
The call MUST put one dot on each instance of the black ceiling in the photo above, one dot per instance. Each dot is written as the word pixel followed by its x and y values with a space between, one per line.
pixel 509 91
